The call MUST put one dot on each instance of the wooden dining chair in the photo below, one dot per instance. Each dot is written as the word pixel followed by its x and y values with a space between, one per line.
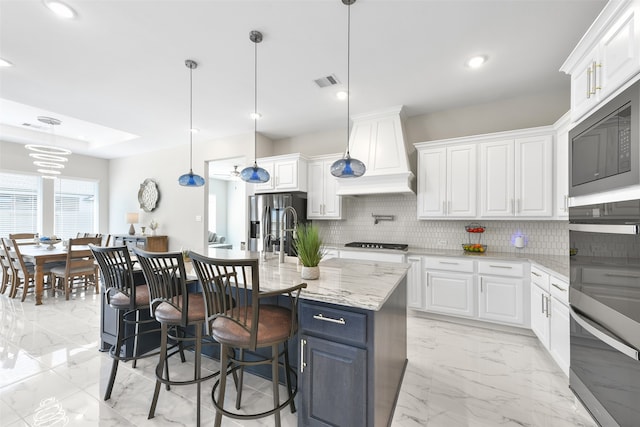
pixel 78 265
pixel 23 238
pixel 23 274
pixel 176 309
pixel 7 272
pixel 240 316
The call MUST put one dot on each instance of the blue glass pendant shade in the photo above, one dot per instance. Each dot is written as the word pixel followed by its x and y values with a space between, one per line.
pixel 254 174
pixel 191 180
pixel 348 167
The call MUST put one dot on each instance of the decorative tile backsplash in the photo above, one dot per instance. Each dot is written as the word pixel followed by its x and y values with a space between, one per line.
pixel 542 237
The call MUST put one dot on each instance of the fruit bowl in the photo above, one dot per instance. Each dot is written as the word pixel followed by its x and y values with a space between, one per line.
pixel 474 247
pixel 50 242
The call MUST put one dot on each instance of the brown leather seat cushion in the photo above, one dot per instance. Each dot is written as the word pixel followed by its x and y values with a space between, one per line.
pixel 167 313
pixel 121 301
pixel 274 327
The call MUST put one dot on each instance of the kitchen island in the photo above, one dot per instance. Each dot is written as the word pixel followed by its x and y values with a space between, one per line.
pixel 352 339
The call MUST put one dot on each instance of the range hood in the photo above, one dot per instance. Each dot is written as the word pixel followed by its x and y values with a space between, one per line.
pixel 378 139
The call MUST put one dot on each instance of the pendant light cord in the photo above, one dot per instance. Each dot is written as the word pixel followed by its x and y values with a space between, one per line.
pixel 255 103
pixel 191 119
pixel 348 72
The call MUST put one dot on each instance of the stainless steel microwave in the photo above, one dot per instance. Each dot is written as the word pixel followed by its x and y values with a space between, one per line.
pixel 604 152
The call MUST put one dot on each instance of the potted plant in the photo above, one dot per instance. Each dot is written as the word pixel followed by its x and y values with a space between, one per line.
pixel 310 251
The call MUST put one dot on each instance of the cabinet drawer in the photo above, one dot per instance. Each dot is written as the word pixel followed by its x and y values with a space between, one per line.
pixel 559 289
pixel 449 264
pixel 499 268
pixel 540 278
pixel 341 325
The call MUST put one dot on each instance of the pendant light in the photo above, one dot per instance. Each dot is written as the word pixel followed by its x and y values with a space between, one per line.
pixel 348 167
pixel 255 174
pixel 189 179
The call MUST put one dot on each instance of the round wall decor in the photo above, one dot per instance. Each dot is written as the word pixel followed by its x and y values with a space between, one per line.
pixel 148 195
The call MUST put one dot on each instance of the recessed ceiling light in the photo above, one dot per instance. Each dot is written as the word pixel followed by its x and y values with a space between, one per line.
pixel 255 116
pixel 342 95
pixel 5 63
pixel 476 61
pixel 61 9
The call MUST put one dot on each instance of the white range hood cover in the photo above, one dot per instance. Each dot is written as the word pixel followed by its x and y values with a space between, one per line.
pixel 378 140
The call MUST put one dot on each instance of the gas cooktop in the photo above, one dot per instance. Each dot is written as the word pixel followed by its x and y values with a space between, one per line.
pixel 370 245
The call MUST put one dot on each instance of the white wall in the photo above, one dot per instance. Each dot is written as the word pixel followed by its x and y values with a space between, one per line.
pixel 15 158
pixel 218 189
pixel 237 213
pixel 178 206
pixel 515 113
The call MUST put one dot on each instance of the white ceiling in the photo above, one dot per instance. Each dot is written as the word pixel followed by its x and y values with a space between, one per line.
pixel 116 76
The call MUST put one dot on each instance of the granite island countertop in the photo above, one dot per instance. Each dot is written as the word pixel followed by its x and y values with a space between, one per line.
pixel 352 283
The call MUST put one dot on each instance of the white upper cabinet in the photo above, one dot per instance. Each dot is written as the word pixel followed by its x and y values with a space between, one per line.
pixel 607 57
pixel 447 181
pixel 288 173
pixel 516 177
pixel 561 162
pixel 322 200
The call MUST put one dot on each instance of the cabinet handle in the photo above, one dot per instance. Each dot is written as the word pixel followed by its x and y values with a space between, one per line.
pixel 589 82
pixel 339 321
pixel 558 287
pixel 566 203
pixel 536 274
pixel 448 262
pixel 302 362
pixel 481 287
pixel 548 304
pixel 444 208
pixel 626 276
pixel 542 303
pixel 513 206
pixel 500 266
pixel 595 67
pixel 448 207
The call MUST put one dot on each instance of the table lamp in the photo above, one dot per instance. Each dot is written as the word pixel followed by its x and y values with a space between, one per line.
pixel 132 218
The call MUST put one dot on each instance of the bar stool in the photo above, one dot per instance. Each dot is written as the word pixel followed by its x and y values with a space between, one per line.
pixel 237 317
pixel 176 309
pixel 128 299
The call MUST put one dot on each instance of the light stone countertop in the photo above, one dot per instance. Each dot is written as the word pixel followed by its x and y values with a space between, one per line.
pixel 556 265
pixel 351 283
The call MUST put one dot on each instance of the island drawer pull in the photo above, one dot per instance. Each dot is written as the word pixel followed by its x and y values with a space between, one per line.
pixel 558 287
pixel 339 321
pixel 303 364
pixel 500 266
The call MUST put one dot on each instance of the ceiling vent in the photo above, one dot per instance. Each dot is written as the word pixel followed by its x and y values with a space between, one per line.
pixel 327 81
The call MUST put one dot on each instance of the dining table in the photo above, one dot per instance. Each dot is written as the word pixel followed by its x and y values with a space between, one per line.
pixel 42 254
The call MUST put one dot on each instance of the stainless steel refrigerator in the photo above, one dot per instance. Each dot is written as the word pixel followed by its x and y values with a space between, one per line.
pixel 265 217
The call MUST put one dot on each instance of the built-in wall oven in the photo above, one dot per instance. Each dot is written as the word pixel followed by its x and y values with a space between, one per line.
pixel 604 296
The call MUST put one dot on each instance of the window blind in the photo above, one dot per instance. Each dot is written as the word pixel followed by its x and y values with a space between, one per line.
pixel 76 207
pixel 19 195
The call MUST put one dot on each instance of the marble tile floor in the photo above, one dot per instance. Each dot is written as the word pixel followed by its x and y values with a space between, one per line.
pixel 52 374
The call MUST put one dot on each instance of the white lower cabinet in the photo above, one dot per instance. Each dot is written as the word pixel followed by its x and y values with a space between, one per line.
pixel 449 286
pixel 414 283
pixel 500 300
pixel 550 315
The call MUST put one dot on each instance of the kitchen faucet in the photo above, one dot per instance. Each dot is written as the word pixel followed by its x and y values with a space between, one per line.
pixel 267 238
pixel 283 229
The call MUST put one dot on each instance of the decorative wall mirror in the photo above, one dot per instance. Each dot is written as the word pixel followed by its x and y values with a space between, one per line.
pixel 148 195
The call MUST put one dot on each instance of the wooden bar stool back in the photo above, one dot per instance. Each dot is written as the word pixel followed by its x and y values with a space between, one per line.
pixel 176 309
pixel 240 316
pixel 128 299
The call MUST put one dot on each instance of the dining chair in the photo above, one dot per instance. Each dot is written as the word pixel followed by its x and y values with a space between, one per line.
pixel 23 238
pixel 240 316
pixel 176 309
pixel 23 274
pixel 78 265
pixel 7 272
pixel 128 299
